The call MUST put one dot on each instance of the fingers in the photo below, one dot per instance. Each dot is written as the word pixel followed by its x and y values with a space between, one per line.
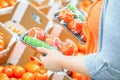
pixel 42 58
pixel 42 50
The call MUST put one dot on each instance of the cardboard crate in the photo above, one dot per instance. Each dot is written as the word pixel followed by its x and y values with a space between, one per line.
pixel 24 16
pixel 6 10
pixel 9 40
pixel 62 33
pixel 21 54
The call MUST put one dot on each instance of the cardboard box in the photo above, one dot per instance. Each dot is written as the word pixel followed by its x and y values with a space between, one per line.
pixel 62 33
pixel 9 40
pixel 6 10
pixel 40 3
pixel 24 16
pixel 21 54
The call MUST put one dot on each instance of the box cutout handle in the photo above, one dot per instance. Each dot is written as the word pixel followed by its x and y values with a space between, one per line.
pixel 36 18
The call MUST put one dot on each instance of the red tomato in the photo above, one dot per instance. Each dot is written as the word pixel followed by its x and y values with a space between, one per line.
pixel 35 61
pixel 1 68
pixel 76 75
pixel 53 41
pixel 11 66
pixel 39 76
pixel 3 4
pixel 28 76
pixel 11 2
pixel 75 26
pixel 18 71
pixel 44 77
pixel 43 70
pixel 7 70
pixel 67 48
pixel 32 67
pixel 3 76
pixel 20 79
pixel 66 15
pixel 37 33
pixel 13 79
pixel 82 48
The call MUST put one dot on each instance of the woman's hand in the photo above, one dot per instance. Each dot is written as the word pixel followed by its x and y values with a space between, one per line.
pixel 51 59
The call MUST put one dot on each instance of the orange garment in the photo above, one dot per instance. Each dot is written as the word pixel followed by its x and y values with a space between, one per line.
pixel 91 32
pixel 93 21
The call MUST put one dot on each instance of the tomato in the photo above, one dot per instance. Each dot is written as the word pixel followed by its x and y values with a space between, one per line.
pixel 37 33
pixel 44 77
pixel 1 47
pixel 3 4
pixel 82 48
pixel 28 76
pixel 76 75
pixel 35 61
pixel 75 26
pixel 32 67
pixel 2 42
pixel 11 2
pixel 3 76
pixel 1 68
pixel 11 66
pixel 67 48
pixel 18 71
pixel 13 79
pixel 43 70
pixel 53 41
pixel 20 79
pixel 7 70
pixel 66 15
pixel 39 76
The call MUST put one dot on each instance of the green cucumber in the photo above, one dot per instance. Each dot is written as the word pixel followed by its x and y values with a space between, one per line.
pixel 72 7
pixel 36 43
pixel 76 12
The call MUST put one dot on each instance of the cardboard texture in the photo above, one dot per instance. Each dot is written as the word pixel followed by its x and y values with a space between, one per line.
pixel 40 3
pixel 6 10
pixel 24 18
pixel 21 54
pixel 45 9
pixel 30 17
pixel 26 15
pixel 9 40
pixel 62 33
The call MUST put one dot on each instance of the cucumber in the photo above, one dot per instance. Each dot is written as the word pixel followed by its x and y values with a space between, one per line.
pixel 36 43
pixel 77 12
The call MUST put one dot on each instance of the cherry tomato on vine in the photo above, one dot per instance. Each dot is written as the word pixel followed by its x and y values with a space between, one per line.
pixel 66 15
